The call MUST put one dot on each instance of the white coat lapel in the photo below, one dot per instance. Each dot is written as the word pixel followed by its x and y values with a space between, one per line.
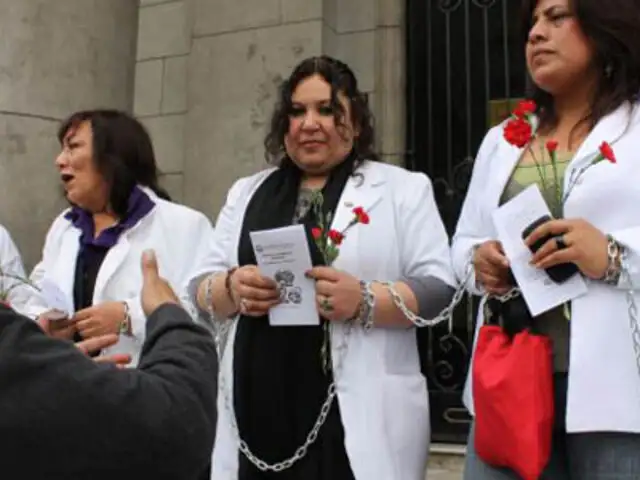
pixel 113 260
pixel 65 271
pixel 362 190
pixel 504 161
pixel 609 130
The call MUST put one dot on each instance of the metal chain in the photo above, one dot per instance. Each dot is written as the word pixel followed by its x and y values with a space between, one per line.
pixel 633 308
pixel 445 315
pixel 221 332
pixel 313 433
pixel 634 324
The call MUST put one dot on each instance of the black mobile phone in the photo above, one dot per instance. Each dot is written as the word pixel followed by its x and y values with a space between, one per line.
pixel 558 273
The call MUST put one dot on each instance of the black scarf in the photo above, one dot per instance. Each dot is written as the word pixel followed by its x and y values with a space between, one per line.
pixel 279 383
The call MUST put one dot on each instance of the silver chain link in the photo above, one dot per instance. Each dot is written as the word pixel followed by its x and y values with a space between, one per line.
pixel 625 276
pixel 222 328
pixel 221 332
pixel 445 315
pixel 633 308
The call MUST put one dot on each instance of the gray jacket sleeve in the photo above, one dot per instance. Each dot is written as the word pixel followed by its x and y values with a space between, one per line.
pixel 433 295
pixel 87 420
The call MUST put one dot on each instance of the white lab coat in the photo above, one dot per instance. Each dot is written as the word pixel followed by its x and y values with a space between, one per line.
pixel 180 237
pixel 604 382
pixel 11 265
pixel 383 395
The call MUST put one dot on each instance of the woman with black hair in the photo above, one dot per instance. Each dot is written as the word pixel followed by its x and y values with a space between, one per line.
pixel 117 210
pixel 577 140
pixel 344 399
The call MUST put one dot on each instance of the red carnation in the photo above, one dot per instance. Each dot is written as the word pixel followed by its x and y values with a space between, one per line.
pixel 524 108
pixel 336 237
pixel 517 132
pixel 361 215
pixel 607 152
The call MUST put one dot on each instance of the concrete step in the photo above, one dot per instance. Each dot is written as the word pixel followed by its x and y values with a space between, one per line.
pixel 446 462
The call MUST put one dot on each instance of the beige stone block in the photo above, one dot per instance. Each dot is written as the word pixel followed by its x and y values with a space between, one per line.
pixel 391 12
pixel 148 87
pixel 390 90
pixel 330 41
pixel 217 16
pixel 173 183
pixel 58 57
pixel 163 31
pixel 358 50
pixel 229 108
pixel 174 85
pixel 351 16
pixel 330 13
pixel 300 10
pixel 167 134
pixel 32 195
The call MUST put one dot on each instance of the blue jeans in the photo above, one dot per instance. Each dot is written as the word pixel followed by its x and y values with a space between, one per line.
pixel 579 456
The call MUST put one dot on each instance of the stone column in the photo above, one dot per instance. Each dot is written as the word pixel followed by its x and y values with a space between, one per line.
pixel 55 57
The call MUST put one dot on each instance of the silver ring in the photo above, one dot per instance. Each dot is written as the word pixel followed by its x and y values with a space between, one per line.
pixel 560 243
pixel 326 304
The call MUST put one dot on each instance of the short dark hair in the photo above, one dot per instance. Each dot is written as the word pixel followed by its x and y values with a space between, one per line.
pixel 342 80
pixel 122 152
pixel 612 27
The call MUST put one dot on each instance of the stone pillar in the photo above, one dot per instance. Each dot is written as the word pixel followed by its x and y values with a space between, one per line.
pixel 55 57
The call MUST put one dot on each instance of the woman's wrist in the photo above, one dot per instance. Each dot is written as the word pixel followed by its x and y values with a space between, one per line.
pixel 614 262
pixel 125 324
pixel 217 298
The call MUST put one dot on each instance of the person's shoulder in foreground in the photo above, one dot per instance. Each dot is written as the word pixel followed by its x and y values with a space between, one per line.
pixel 66 416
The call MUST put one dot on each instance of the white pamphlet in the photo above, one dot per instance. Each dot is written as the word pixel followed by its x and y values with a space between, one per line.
pixel 283 255
pixel 540 292
pixel 56 299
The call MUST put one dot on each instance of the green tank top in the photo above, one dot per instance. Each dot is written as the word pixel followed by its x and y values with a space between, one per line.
pixel 549 178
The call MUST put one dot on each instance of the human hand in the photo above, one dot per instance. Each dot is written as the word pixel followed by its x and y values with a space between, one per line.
pixel 253 293
pixel 156 291
pixel 492 268
pixel 103 319
pixel 55 324
pixel 582 244
pixel 101 342
pixel 338 293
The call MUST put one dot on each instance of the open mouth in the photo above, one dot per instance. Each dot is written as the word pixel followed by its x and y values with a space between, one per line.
pixel 66 178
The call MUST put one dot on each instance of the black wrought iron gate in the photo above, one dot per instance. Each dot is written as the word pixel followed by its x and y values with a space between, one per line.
pixel 464 68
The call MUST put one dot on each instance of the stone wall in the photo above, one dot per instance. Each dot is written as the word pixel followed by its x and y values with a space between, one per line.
pixel 207 74
pixel 164 42
pixel 55 58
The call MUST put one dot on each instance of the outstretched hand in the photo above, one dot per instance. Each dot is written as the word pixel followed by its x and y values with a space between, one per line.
pixel 156 291
pixel 95 344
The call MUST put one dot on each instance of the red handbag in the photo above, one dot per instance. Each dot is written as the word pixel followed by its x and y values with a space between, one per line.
pixel 513 400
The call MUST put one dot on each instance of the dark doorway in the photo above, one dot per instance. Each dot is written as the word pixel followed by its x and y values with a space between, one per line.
pixel 465 66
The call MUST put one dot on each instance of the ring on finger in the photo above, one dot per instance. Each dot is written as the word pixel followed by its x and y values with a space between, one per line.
pixel 560 242
pixel 326 304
